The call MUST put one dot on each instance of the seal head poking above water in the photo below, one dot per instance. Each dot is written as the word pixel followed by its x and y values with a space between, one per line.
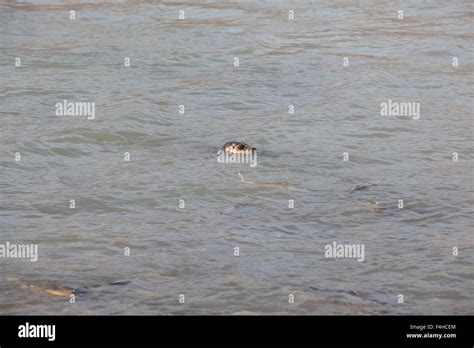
pixel 237 147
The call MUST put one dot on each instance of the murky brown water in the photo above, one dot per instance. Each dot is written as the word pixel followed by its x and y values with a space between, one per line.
pixel 190 250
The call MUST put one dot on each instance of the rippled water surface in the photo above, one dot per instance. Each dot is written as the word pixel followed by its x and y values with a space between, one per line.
pixel 190 250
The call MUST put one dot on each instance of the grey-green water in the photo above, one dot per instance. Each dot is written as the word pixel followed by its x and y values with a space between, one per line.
pixel 190 250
